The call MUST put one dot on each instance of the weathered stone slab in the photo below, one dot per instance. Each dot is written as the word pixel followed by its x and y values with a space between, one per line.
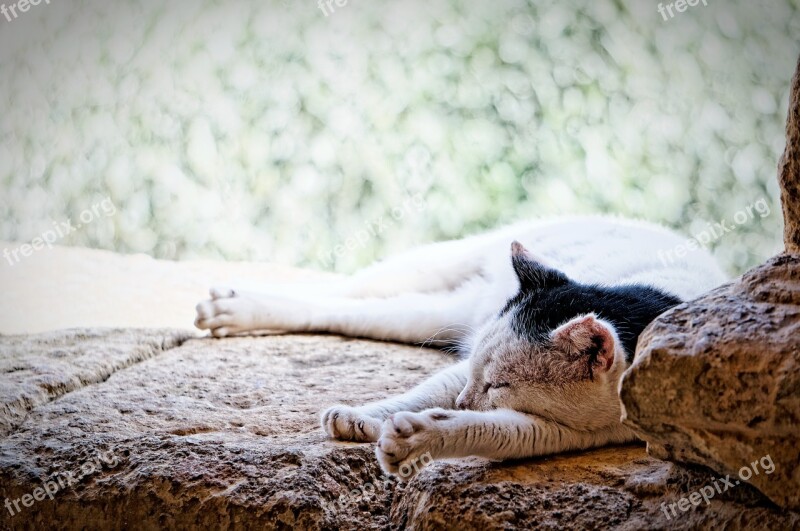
pixel 224 434
pixel 38 369
pixel 209 433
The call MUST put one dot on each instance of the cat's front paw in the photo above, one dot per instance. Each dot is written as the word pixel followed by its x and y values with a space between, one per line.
pixel 349 424
pixel 410 441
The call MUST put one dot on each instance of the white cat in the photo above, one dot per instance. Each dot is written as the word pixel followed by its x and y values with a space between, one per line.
pixel 547 334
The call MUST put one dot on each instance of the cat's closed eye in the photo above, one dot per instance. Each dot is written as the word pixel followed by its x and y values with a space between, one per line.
pixel 498 385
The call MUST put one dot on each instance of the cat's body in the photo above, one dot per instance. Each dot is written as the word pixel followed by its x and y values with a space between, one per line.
pixel 548 333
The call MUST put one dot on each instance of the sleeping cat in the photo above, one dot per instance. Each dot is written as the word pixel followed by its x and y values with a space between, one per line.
pixel 546 334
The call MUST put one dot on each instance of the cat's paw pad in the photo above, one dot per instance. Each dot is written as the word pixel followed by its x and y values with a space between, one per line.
pixel 408 441
pixel 347 423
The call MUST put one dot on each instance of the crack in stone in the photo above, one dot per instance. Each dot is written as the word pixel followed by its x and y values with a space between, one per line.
pixel 40 391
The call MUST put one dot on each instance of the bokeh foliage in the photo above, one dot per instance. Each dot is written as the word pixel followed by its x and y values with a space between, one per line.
pixel 268 131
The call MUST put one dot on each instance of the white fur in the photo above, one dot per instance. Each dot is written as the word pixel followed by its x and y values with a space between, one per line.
pixel 445 290
pixel 451 291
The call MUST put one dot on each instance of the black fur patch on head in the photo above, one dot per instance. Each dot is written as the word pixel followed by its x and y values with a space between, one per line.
pixel 534 276
pixel 548 298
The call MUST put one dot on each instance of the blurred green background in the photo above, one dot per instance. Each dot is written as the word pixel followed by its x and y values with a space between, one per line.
pixel 252 130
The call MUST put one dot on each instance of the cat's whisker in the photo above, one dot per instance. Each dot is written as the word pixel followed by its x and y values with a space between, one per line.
pixel 453 328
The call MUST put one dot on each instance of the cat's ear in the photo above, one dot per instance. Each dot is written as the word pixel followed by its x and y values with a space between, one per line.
pixel 589 339
pixel 531 272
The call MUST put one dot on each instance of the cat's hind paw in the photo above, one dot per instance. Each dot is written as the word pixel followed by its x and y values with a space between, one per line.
pixel 225 313
pixel 409 442
pixel 347 423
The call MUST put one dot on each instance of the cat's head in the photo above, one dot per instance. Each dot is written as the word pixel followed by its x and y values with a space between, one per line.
pixel 547 353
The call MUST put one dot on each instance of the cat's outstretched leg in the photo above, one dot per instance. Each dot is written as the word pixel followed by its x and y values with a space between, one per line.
pixel 363 423
pixel 436 267
pixel 498 434
pixel 433 318
pixel 407 287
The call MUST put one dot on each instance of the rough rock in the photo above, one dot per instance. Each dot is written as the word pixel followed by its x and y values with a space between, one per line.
pixel 163 431
pixel 789 171
pixel 209 433
pixel 716 381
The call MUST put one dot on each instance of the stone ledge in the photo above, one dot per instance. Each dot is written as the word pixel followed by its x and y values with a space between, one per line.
pixel 224 433
pixel 35 373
